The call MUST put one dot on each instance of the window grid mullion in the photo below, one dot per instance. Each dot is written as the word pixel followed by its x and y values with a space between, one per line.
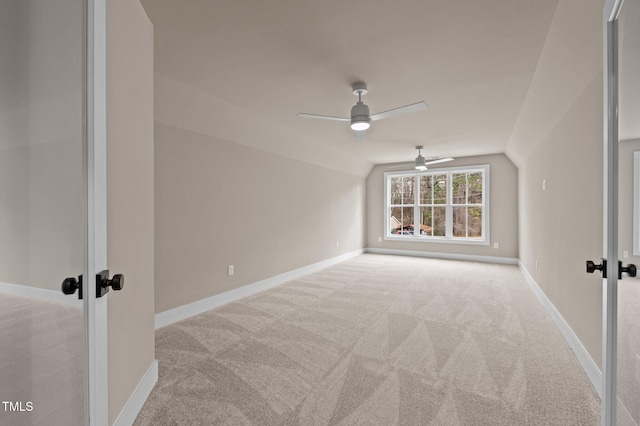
pixel 416 206
pixel 433 209
pixel 466 202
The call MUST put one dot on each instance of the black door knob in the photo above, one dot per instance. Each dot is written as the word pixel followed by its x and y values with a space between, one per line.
pixel 117 282
pixel 630 270
pixel 69 285
pixel 592 267
pixel 103 282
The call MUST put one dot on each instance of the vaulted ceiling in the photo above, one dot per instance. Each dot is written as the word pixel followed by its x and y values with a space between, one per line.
pixel 471 61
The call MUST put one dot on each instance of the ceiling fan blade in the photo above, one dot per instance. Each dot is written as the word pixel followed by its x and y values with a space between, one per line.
pixel 322 117
pixel 361 135
pixel 401 166
pixel 440 160
pixel 400 110
pixel 436 161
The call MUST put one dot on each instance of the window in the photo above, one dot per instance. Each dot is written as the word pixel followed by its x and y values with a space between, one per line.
pixel 450 204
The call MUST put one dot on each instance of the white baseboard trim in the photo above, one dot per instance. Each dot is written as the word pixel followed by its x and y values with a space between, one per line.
pixel 448 256
pixel 41 294
pixel 588 365
pixel 171 316
pixel 139 396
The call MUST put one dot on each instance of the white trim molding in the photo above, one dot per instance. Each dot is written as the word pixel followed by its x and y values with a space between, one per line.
pixel 96 393
pixel 449 205
pixel 448 256
pixel 610 13
pixel 139 396
pixel 171 316
pixel 588 365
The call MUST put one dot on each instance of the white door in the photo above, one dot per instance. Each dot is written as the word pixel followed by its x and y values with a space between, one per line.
pixel 51 228
pixel 621 319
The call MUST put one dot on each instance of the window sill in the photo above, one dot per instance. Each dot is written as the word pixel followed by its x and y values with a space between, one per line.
pixel 443 240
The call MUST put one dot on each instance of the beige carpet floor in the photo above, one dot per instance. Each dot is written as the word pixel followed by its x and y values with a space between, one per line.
pixel 41 361
pixel 376 340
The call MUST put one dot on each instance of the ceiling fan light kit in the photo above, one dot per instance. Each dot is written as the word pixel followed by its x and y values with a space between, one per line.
pixel 421 163
pixel 360 123
pixel 360 117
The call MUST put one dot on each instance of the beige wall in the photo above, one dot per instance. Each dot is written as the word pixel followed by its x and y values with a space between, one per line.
pixel 558 137
pixel 130 196
pixel 503 211
pixel 561 227
pixel 220 203
pixel 41 147
pixel 181 105
pixel 14 221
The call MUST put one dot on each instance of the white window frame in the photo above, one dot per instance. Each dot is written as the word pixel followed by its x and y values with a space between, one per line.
pixel 448 238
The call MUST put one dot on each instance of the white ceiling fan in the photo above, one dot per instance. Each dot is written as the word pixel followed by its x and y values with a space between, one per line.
pixel 360 118
pixel 420 162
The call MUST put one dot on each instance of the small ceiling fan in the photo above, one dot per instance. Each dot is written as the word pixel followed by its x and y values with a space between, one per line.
pixel 360 118
pixel 420 162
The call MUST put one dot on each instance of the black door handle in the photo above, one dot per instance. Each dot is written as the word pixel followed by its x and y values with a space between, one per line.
pixel 103 283
pixel 630 270
pixel 71 284
pixel 117 282
pixel 602 267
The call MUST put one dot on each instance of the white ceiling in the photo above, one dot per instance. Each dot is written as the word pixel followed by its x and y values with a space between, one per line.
pixel 471 61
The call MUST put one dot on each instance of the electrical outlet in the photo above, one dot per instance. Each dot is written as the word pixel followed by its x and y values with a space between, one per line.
pixel 230 270
pixel 379 239
pixel 625 254
pixel 337 244
pixel 496 245
pixel 537 264
pixel 544 184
